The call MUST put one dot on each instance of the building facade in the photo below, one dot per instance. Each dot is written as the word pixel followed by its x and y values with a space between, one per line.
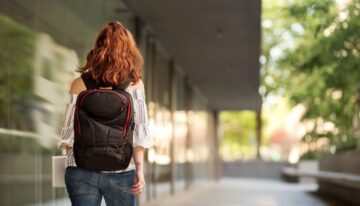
pixel 42 43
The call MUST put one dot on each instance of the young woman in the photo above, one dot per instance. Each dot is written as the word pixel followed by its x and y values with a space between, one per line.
pixel 113 59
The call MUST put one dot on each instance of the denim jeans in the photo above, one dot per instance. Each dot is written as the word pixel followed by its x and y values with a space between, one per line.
pixel 86 188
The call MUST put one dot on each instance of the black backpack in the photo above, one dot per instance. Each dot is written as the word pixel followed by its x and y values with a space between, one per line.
pixel 103 127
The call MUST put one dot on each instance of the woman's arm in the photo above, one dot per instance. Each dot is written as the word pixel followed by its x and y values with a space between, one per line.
pixel 67 132
pixel 139 158
pixel 138 155
pixel 142 139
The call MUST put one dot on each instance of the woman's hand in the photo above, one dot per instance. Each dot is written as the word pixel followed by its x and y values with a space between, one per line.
pixel 139 183
pixel 68 149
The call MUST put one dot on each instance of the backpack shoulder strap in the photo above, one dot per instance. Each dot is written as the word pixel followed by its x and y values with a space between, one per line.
pixel 88 81
pixel 124 85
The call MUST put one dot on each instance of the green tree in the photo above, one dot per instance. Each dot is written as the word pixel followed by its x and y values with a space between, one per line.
pixel 311 54
pixel 238 134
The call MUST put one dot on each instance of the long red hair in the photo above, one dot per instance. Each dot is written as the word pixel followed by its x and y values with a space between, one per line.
pixel 115 56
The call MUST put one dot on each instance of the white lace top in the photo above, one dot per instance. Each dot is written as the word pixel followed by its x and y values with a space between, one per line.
pixel 141 135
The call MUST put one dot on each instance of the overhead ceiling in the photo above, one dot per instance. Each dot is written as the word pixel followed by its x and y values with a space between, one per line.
pixel 216 42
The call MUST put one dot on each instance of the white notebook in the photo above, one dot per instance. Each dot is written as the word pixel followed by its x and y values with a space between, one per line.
pixel 58 171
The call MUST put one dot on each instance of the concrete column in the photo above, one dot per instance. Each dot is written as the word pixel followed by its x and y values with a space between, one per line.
pixel 173 105
pixel 189 164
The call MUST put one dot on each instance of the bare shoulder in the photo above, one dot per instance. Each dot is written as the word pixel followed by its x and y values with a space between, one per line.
pixel 138 85
pixel 77 85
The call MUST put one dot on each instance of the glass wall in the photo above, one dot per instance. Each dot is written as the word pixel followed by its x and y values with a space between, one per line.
pixel 180 129
pixel 160 115
pixel 201 139
pixel 41 44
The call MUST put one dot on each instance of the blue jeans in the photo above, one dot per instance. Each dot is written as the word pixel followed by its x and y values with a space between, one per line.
pixel 86 188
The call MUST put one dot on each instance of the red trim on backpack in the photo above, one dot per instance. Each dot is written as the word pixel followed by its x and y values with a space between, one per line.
pixel 78 103
pixel 77 119
pixel 127 119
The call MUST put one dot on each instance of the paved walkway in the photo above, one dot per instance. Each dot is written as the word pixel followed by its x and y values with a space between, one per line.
pixel 245 192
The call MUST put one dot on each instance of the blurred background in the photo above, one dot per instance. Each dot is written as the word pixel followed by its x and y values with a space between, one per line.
pixel 261 93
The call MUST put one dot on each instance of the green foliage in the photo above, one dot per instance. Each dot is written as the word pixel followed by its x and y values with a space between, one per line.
pixel 311 155
pixel 318 65
pixel 238 134
pixel 16 77
pixel 346 145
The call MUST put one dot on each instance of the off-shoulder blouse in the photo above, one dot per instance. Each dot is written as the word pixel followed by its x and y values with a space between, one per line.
pixel 141 135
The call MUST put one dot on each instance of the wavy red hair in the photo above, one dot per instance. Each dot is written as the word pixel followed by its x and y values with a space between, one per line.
pixel 115 56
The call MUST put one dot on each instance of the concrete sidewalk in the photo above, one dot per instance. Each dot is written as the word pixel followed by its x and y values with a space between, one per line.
pixel 245 192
